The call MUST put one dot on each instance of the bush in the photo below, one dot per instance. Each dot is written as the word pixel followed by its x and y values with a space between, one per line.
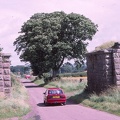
pixel 47 78
pixel 78 74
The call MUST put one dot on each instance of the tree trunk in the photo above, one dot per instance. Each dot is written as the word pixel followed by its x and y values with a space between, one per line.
pixel 55 72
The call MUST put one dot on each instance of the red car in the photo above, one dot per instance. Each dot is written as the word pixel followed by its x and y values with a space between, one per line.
pixel 54 95
pixel 27 76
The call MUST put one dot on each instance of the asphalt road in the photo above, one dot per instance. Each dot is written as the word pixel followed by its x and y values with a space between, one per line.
pixel 68 112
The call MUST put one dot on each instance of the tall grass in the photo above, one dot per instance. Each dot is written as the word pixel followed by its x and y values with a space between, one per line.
pixel 16 105
pixel 108 101
pixel 68 85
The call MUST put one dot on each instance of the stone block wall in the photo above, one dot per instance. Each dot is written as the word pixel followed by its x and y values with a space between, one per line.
pixel 5 80
pixel 116 64
pixel 103 68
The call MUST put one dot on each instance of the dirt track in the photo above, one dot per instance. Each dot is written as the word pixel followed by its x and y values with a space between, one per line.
pixel 57 112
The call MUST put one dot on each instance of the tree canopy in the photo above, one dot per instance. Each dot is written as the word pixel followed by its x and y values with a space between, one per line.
pixel 46 39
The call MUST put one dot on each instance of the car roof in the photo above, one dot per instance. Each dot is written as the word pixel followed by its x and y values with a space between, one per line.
pixel 54 88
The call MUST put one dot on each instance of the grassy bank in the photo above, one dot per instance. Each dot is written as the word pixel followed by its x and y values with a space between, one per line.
pixel 16 105
pixel 108 101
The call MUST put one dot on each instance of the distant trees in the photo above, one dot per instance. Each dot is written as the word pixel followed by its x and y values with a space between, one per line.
pixel 21 69
pixel 72 68
pixel 66 68
pixel 48 38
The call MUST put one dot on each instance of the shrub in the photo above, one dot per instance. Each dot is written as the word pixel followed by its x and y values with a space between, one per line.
pixel 78 74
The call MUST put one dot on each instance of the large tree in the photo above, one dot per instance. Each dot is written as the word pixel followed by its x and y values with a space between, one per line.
pixel 47 39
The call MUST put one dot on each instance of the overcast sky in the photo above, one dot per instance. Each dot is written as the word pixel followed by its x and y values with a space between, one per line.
pixel 13 13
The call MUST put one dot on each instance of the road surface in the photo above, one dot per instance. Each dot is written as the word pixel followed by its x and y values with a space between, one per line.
pixel 58 112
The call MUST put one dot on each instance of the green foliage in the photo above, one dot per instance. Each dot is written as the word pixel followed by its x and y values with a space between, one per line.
pixel 69 85
pixel 107 101
pixel 46 77
pixel 21 69
pixel 79 74
pixel 66 68
pixel 16 105
pixel 72 68
pixel 48 38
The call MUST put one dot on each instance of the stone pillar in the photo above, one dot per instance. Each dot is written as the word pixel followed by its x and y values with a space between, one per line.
pixel 116 59
pixel 108 71
pixel 5 80
pixel 103 68
pixel 1 77
pixel 99 70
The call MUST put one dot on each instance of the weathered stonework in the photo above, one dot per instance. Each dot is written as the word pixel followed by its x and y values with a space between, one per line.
pixel 5 80
pixel 116 65
pixel 103 68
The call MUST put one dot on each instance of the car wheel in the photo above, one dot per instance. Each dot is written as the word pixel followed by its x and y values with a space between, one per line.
pixel 45 103
pixel 64 103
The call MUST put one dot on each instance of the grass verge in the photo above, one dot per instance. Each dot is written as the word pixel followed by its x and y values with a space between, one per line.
pixel 108 101
pixel 16 105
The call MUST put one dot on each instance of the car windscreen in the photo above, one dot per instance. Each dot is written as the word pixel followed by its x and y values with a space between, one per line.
pixel 55 92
